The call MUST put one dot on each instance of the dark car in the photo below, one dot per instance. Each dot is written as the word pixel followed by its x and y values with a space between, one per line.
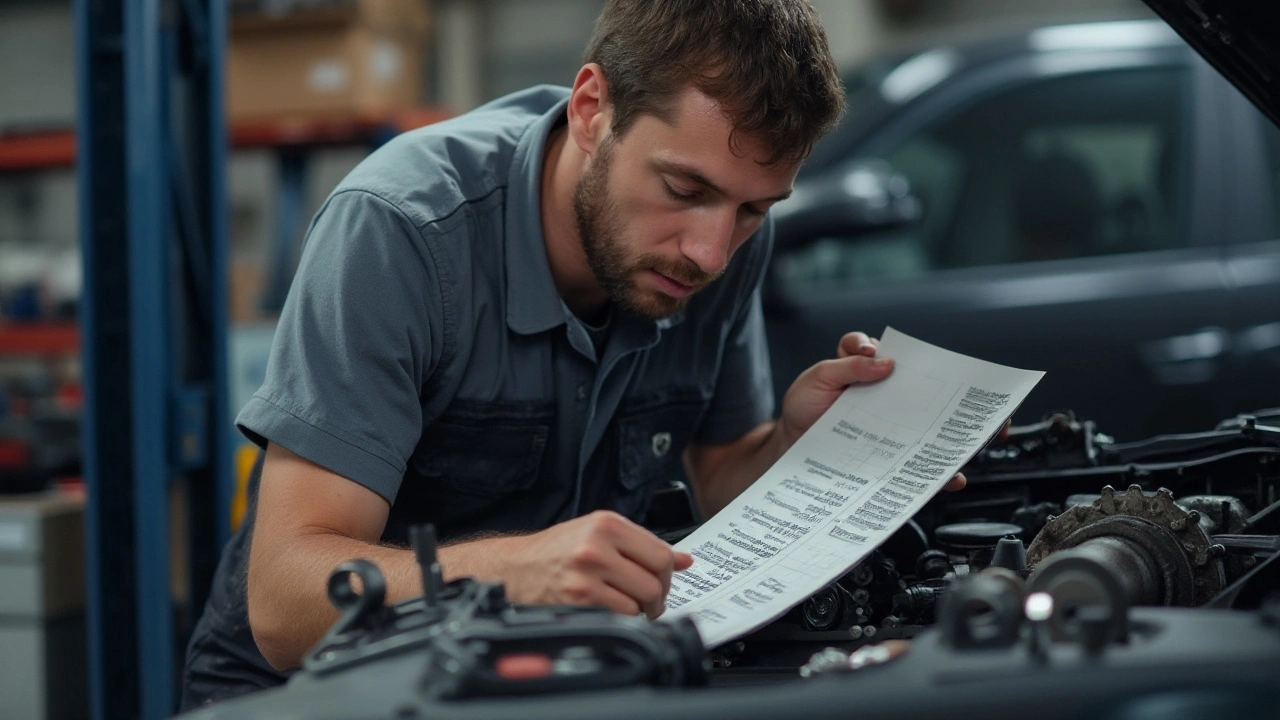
pixel 1091 200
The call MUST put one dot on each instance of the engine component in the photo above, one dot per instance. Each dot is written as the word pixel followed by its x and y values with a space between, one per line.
pixel 982 611
pixel 977 540
pixel 834 660
pixel 918 601
pixel 1218 513
pixel 1160 553
pixel 827 609
pixel 1010 554
pixel 1091 600
pixel 933 564
pixel 1057 441
pixel 1032 518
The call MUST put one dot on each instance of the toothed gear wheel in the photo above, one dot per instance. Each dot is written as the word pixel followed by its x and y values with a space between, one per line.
pixel 1181 566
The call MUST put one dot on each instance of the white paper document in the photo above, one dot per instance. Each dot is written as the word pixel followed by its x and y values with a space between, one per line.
pixel 865 468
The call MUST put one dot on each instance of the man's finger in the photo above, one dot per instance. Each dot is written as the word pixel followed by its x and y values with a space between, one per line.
pixel 956 483
pixel 643 547
pixel 856 343
pixel 841 373
pixel 681 561
pixel 615 600
pixel 637 583
pixel 646 550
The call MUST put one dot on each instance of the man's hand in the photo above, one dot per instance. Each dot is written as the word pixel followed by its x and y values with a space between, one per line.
pixel 598 559
pixel 817 388
pixel 721 472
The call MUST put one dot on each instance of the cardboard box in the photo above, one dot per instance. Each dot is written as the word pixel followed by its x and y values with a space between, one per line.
pixel 359 57
pixel 43 672
pixel 41 555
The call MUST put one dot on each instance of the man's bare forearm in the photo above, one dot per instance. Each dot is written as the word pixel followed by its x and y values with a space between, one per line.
pixel 726 470
pixel 289 606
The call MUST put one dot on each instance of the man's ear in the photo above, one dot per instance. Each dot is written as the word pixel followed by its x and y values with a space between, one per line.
pixel 590 114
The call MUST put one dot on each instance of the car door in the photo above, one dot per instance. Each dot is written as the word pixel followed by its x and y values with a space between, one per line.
pixel 1066 204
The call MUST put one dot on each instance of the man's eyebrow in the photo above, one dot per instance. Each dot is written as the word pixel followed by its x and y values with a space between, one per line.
pixel 691 173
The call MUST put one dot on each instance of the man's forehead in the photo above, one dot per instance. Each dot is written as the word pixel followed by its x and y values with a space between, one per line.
pixel 708 126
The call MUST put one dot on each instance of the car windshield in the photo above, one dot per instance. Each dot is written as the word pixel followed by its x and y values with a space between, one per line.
pixel 898 77
pixel 887 79
pixel 862 82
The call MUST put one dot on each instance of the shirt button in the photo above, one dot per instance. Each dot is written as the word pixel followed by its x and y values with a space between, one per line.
pixel 582 392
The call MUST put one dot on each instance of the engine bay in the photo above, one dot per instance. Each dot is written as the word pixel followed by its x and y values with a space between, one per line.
pixel 1073 574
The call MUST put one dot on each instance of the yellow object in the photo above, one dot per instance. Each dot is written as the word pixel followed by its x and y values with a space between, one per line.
pixel 246 456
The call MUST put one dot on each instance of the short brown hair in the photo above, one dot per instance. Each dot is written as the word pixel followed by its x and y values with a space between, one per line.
pixel 765 61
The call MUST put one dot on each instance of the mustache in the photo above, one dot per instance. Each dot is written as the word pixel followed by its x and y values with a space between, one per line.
pixel 682 271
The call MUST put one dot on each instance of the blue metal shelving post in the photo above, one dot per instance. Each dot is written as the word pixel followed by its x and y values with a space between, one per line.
pixel 153 324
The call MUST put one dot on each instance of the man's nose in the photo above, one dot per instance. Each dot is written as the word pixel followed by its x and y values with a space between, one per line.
pixel 711 242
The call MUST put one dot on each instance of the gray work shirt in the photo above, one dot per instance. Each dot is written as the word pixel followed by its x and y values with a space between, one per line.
pixel 424 352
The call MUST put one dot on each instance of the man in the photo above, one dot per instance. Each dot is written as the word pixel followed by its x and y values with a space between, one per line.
pixel 515 323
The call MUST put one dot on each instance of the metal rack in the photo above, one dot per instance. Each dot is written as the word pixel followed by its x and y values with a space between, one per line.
pixel 150 153
pixel 153 326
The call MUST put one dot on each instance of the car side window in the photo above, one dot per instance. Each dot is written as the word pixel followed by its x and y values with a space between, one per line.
pixel 1063 168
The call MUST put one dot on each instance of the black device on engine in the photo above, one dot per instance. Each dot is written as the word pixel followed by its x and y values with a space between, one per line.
pixel 473 642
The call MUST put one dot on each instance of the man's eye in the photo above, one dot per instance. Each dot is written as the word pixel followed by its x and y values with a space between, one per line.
pixel 676 194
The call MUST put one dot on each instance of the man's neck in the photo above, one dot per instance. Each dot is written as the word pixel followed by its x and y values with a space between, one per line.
pixel 562 165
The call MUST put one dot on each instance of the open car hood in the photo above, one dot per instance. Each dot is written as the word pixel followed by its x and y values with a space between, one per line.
pixel 1241 38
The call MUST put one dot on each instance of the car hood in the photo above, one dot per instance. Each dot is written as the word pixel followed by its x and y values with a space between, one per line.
pixel 1241 38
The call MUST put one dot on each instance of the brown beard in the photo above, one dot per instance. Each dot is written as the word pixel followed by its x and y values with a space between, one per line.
pixel 596 214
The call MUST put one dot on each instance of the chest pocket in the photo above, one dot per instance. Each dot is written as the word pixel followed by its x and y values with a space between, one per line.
pixel 652 435
pixel 477 461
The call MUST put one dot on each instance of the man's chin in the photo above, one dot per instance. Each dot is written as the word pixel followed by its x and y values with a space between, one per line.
pixel 652 305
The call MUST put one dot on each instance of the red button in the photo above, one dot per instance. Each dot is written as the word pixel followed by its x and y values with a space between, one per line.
pixel 523 666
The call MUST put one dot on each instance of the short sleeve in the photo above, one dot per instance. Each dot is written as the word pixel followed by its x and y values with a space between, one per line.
pixel 744 387
pixel 358 337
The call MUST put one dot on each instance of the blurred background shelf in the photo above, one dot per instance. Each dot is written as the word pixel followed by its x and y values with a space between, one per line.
pixel 56 149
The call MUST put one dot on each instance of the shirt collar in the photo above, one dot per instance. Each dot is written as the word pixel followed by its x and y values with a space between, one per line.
pixel 533 304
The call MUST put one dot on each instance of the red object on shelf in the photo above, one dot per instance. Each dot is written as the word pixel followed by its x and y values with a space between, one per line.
pixel 14 454
pixel 39 339
pixel 32 151
pixel 69 396
pixel 57 149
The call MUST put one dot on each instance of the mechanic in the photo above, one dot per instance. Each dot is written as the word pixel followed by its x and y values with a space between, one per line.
pixel 515 323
